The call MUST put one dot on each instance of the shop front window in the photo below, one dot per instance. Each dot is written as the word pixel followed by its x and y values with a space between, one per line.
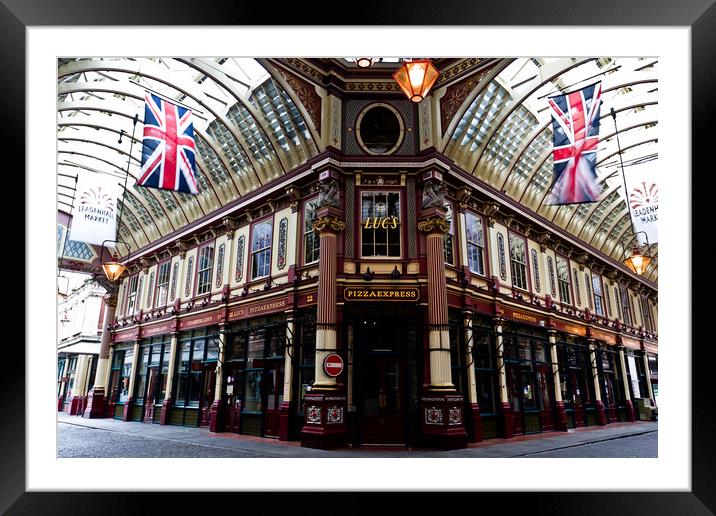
pixel 125 376
pixel 141 381
pixel 380 224
pixel 252 388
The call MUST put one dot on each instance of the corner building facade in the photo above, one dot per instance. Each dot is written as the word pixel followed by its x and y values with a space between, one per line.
pixel 458 313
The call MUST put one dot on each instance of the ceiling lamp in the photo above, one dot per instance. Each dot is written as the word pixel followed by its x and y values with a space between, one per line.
pixel 416 77
pixel 638 261
pixel 364 62
pixel 112 268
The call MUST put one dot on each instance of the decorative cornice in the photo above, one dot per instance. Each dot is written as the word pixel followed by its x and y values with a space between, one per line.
pixel 434 225
pixel 457 93
pixel 329 223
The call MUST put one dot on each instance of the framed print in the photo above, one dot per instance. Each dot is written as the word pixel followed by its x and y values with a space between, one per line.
pixel 247 353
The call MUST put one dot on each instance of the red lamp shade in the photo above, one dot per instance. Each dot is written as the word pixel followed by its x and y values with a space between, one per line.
pixel 416 78
pixel 637 262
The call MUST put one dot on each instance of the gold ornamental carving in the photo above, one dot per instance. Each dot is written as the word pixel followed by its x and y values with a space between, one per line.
pixel 433 225
pixel 329 223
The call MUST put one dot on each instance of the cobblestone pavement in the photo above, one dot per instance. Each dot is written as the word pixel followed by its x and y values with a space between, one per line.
pixel 79 437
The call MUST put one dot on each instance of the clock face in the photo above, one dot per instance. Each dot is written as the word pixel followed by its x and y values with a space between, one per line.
pixel 380 129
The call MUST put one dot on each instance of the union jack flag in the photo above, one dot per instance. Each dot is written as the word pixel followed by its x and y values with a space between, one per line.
pixel 168 152
pixel 575 128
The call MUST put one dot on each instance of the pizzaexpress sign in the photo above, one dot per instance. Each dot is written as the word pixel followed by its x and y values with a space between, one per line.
pixel 381 294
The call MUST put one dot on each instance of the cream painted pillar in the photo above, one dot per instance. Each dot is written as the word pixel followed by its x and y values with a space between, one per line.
pixel 219 369
pixel 80 376
pixel 502 373
pixel 107 370
pixel 648 377
pixel 102 372
pixel 625 381
pixel 471 381
pixel 287 362
pixel 555 366
pixel 172 361
pixel 133 372
pixel 595 372
pixel 85 389
pixel 625 378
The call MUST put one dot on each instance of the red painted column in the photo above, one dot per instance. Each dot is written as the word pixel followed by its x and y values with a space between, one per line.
pixel 443 418
pixel 96 399
pixel 324 423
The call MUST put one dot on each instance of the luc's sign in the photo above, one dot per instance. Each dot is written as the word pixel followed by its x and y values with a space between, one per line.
pixel 381 222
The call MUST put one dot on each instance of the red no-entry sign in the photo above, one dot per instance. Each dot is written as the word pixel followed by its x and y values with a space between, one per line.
pixel 333 365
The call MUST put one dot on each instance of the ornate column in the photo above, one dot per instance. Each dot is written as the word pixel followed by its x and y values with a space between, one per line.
pixel 473 416
pixel 216 412
pixel 132 378
pixel 648 378
pixel 78 386
pixel 625 382
pixel 324 424
pixel 442 424
pixel 504 408
pixel 560 416
pixel 601 416
pixel 96 399
pixel 284 411
pixel 167 403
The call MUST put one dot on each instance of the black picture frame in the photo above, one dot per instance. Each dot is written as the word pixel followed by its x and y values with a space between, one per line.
pixel 699 15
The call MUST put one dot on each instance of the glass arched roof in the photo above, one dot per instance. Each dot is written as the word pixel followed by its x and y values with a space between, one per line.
pixel 249 130
pixel 504 137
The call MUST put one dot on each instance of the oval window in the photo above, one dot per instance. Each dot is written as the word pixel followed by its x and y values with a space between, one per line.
pixel 380 129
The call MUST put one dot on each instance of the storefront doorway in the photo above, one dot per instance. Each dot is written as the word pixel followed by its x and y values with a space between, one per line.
pixel 382 377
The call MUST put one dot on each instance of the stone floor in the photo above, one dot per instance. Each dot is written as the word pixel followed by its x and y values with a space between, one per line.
pixel 80 437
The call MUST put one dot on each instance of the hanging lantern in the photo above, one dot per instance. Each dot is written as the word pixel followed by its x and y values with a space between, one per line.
pixel 113 270
pixel 416 78
pixel 637 262
pixel 364 62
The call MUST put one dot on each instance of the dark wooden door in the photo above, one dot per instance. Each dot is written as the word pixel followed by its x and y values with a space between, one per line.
pixel 514 390
pixel 383 399
pixel 273 389
pixel 208 382
pixel 151 394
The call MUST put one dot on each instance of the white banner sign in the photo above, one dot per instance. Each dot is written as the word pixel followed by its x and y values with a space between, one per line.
pixel 644 200
pixel 94 219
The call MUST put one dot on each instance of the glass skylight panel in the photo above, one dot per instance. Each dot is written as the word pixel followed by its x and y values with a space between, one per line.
pixel 233 153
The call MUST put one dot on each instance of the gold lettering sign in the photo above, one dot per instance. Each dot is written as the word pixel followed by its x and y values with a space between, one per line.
pixel 381 294
pixel 576 330
pixel 381 222
pixel 524 317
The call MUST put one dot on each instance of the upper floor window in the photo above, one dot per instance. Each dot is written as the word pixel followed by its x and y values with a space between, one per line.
pixel 518 261
pixel 563 279
pixel 626 305
pixel 598 297
pixel 261 249
pixel 132 294
pixel 380 224
pixel 163 283
pixel 448 241
pixel 646 312
pixel 311 239
pixel 475 243
pixel 577 293
pixel 205 264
